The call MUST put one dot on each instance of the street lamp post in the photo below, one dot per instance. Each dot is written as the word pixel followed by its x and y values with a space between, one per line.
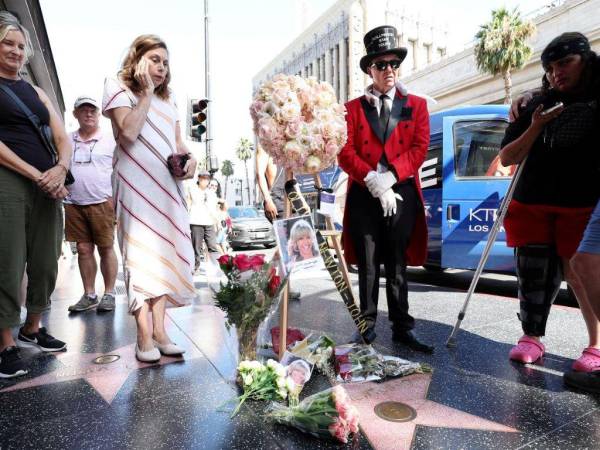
pixel 207 84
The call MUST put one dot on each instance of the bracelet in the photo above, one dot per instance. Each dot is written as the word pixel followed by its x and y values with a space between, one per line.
pixel 63 166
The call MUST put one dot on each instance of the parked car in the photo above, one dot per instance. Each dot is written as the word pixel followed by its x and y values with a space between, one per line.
pixel 249 227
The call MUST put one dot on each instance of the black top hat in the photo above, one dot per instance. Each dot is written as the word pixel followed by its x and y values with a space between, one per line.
pixel 381 41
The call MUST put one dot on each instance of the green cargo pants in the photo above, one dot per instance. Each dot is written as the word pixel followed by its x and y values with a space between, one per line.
pixel 31 228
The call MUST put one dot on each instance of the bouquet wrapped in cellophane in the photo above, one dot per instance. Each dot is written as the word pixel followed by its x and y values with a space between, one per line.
pixel 359 362
pixel 317 350
pixel 328 414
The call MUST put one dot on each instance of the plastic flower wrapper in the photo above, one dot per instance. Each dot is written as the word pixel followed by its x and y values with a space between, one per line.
pixel 246 298
pixel 298 373
pixel 359 362
pixel 318 350
pixel 261 382
pixel 327 414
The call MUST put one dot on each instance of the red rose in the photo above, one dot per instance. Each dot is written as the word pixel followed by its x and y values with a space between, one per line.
pixel 242 262
pixel 274 283
pixel 256 262
pixel 225 262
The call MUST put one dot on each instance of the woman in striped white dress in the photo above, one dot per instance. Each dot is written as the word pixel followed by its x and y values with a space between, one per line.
pixel 153 225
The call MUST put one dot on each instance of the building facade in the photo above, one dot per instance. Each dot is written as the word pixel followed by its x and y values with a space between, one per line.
pixel 456 81
pixel 330 49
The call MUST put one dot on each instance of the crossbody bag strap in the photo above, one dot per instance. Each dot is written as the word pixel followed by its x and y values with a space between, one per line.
pixel 34 119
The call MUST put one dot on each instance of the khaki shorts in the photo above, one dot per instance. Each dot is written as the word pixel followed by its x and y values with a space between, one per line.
pixel 90 223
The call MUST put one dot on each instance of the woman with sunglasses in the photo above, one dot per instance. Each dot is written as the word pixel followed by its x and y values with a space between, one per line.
pixel 153 224
pixel 31 190
pixel 384 218
pixel 556 192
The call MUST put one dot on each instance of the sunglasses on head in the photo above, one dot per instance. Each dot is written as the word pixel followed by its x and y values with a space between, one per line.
pixel 382 65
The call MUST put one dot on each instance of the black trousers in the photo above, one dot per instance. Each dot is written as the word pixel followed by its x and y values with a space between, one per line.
pixel 378 240
pixel 201 234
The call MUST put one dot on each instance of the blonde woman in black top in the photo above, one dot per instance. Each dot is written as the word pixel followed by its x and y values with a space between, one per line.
pixel 31 190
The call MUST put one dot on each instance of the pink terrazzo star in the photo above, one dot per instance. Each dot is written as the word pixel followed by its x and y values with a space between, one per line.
pixel 412 390
pixel 106 379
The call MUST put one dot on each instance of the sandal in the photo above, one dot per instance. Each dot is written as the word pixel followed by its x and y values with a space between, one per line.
pixel 589 360
pixel 527 350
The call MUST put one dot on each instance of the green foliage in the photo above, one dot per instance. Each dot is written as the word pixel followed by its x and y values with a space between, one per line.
pixel 227 168
pixel 244 150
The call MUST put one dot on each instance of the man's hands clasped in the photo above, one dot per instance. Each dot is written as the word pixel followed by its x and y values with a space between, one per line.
pixel 378 183
pixel 380 186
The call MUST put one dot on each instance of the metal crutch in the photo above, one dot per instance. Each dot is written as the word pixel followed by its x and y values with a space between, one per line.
pixel 451 342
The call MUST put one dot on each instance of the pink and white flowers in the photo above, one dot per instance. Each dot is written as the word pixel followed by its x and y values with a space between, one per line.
pixel 299 123
pixel 327 414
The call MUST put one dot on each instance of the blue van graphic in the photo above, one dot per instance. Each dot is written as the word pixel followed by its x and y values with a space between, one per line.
pixel 463 186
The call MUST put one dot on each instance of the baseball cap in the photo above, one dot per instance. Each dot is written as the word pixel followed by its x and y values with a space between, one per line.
pixel 85 100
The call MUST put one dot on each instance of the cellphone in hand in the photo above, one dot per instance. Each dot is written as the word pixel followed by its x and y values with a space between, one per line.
pixel 551 109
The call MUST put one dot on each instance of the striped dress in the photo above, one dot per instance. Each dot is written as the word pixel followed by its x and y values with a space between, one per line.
pixel 152 218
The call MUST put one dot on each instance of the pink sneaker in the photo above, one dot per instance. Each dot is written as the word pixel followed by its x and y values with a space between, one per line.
pixel 589 360
pixel 527 350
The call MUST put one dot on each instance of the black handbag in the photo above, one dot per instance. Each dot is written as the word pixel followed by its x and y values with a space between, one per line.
pixel 44 131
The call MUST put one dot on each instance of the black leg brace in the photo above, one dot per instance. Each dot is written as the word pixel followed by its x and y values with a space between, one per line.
pixel 539 273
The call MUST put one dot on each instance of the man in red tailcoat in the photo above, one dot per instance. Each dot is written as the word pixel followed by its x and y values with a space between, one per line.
pixel 384 219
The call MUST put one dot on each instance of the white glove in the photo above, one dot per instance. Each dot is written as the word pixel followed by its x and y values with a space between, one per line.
pixel 378 183
pixel 388 203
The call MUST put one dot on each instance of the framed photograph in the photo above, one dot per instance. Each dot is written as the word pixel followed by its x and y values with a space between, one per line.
pixel 297 244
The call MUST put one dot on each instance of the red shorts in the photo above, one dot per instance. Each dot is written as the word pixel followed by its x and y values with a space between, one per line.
pixel 541 224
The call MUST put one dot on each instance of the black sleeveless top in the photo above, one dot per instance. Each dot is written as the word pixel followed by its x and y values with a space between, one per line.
pixel 16 131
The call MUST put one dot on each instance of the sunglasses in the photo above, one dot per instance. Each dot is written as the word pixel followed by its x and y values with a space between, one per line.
pixel 382 65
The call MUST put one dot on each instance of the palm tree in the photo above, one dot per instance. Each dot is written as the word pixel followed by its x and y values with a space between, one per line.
pixel 501 45
pixel 244 153
pixel 227 171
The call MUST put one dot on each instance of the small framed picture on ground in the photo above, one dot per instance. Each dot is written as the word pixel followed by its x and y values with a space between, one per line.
pixel 297 243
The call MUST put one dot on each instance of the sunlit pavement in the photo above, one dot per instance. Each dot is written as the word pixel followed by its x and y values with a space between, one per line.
pixel 475 398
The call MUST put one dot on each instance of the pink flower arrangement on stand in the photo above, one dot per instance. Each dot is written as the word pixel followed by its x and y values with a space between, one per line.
pixel 299 123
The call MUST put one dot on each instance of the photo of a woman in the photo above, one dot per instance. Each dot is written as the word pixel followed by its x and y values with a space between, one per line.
pixel 302 242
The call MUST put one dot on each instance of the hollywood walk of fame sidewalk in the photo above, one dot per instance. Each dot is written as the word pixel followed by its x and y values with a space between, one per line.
pixel 473 399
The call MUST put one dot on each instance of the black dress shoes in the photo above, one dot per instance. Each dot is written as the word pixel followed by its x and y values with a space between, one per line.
pixel 368 337
pixel 409 338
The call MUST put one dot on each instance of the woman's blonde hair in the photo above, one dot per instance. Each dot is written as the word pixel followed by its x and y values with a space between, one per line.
pixel 140 46
pixel 300 229
pixel 8 22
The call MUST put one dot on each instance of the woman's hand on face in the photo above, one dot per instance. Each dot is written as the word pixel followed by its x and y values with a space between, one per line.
pixel 539 120
pixel 190 168
pixel 52 181
pixel 142 76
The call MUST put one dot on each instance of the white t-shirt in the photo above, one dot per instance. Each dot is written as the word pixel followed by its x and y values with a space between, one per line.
pixel 202 205
pixel 92 166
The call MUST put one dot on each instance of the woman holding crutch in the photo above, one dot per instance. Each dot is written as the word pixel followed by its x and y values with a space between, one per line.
pixel 556 191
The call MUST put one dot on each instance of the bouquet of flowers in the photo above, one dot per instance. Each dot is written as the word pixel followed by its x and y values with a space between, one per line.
pixel 317 350
pixel 251 289
pixel 327 414
pixel 262 382
pixel 358 362
pixel 298 122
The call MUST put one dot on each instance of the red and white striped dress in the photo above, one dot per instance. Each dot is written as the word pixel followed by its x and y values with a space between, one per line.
pixel 152 218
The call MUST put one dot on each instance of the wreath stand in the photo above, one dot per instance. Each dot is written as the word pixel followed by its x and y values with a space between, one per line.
pixel 333 236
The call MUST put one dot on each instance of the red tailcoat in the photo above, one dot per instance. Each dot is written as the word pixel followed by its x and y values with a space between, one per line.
pixel 405 149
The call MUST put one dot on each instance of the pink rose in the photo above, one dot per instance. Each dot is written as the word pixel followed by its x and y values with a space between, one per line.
pixel 338 430
pixel 292 129
pixel 256 108
pixel 267 128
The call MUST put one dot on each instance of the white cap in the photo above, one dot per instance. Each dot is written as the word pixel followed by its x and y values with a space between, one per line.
pixel 85 100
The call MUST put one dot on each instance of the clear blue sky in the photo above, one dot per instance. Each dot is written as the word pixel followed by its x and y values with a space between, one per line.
pixel 89 39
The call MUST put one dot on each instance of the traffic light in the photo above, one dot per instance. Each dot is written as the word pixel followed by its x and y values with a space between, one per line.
pixel 197 124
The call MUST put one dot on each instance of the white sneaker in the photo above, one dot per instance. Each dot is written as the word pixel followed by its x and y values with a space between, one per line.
pixel 150 356
pixel 169 349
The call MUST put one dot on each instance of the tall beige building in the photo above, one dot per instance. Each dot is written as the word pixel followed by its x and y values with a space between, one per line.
pixel 332 46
